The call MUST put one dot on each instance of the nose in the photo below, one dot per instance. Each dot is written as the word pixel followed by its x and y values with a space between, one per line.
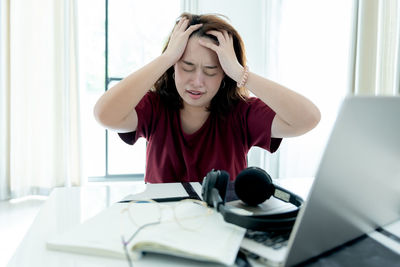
pixel 198 78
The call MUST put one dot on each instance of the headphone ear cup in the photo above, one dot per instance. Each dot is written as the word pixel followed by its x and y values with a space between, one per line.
pixel 253 186
pixel 207 186
pixel 221 183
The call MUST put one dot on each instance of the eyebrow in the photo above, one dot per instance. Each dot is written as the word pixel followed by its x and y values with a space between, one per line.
pixel 188 63
pixel 191 64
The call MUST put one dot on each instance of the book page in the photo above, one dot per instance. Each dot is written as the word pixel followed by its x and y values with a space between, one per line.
pixel 215 240
pixel 159 191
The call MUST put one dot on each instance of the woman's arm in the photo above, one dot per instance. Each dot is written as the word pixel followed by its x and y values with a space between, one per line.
pixel 116 107
pixel 295 114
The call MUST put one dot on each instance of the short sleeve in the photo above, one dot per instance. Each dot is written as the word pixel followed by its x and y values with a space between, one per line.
pixel 145 110
pixel 258 122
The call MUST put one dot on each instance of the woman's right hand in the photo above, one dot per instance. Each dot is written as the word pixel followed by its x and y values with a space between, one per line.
pixel 179 39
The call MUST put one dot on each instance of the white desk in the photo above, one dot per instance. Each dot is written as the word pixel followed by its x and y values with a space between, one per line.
pixel 68 207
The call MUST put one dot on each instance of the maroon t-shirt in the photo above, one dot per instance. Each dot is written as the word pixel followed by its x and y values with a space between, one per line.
pixel 220 144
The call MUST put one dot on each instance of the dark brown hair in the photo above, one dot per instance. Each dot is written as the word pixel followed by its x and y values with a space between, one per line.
pixel 228 94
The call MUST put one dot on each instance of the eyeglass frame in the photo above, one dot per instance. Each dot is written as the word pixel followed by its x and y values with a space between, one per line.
pixel 141 227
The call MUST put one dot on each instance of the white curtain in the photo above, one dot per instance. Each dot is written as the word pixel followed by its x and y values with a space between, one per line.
pixel 40 133
pixel 377 67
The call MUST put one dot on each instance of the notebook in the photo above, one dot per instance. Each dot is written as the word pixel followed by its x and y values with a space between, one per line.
pixel 101 235
pixel 356 187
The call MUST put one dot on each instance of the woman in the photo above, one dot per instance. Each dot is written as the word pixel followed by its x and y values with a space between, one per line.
pixel 191 104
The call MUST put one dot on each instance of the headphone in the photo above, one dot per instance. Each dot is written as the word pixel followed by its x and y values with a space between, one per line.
pixel 253 186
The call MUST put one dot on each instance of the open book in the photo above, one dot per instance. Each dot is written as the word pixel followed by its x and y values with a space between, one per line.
pixel 215 240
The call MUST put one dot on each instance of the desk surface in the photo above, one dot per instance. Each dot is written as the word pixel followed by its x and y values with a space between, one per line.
pixel 68 207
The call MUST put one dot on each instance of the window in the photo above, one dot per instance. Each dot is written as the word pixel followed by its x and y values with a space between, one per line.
pixel 313 56
pixel 115 39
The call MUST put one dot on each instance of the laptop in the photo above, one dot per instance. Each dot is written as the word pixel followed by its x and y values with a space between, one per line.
pixel 356 187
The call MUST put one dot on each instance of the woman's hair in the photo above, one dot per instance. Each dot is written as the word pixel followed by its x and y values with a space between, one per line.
pixel 228 94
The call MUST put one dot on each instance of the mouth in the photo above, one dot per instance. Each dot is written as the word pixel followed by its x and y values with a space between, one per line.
pixel 194 93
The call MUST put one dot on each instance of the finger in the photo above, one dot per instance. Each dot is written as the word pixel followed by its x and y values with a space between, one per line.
pixel 179 24
pixel 193 28
pixel 209 45
pixel 227 36
pixel 220 37
pixel 182 24
pixel 176 27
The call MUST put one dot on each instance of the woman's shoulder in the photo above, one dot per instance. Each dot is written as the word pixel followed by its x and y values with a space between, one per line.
pixel 152 95
pixel 246 103
pixel 249 108
pixel 150 98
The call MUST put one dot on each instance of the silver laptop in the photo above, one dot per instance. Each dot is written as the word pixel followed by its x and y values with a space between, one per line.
pixel 357 185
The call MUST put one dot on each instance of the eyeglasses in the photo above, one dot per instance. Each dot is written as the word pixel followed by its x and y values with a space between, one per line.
pixel 188 214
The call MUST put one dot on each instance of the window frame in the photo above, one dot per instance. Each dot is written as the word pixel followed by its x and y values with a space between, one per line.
pixel 107 177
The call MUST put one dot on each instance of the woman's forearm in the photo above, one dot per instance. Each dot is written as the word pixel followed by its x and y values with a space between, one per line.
pixel 295 114
pixel 116 108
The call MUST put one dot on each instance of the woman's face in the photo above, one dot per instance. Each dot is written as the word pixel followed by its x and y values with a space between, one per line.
pixel 198 75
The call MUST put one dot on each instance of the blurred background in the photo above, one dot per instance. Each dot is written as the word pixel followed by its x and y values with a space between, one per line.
pixel 58 57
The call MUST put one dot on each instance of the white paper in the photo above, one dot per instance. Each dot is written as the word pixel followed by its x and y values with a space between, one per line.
pixel 101 235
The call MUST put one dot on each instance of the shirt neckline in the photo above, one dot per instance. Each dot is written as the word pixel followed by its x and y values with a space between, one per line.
pixel 190 136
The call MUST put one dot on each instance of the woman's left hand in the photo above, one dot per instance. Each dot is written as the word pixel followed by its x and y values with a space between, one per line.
pixel 225 52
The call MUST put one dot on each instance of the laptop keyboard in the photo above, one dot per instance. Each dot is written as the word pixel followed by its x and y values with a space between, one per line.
pixel 275 240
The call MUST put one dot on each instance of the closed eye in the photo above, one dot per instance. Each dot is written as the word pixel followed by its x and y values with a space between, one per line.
pixel 187 70
pixel 207 70
pixel 210 70
pixel 208 73
pixel 188 66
